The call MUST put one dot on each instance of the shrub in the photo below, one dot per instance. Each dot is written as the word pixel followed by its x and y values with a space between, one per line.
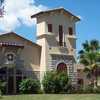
pixel 88 89
pixel 61 82
pixel 2 87
pixel 28 86
pixel 48 82
pixel 55 82
pixel 91 89
pixel 97 90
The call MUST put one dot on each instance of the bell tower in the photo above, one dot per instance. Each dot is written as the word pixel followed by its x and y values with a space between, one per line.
pixel 56 35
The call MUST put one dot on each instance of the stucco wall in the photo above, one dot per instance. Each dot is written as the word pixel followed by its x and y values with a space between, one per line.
pixel 30 53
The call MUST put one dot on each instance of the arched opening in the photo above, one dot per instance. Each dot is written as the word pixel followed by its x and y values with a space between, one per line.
pixel 62 67
pixel 12 77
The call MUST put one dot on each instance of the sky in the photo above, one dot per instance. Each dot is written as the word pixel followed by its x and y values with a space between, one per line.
pixel 17 17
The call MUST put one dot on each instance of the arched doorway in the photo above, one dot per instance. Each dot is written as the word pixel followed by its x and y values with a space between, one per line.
pixel 12 77
pixel 62 67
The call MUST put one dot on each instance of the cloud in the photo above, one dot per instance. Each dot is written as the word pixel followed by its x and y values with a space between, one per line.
pixel 18 12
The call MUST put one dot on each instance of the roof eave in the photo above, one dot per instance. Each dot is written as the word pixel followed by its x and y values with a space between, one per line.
pixel 43 12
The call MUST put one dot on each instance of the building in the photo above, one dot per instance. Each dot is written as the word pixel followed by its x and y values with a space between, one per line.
pixel 55 49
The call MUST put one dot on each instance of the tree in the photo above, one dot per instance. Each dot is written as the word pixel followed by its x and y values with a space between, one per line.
pixel 89 56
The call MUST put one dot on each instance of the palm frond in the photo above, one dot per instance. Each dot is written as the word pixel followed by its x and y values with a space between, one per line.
pixel 94 44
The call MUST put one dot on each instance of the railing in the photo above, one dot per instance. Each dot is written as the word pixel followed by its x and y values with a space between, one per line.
pixel 71 36
pixel 58 50
pixel 66 50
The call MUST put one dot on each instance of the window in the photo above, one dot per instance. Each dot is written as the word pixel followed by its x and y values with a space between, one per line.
pixel 10 57
pixel 60 35
pixel 49 27
pixel 70 29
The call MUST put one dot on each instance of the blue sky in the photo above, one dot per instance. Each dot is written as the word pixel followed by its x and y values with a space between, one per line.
pixel 88 28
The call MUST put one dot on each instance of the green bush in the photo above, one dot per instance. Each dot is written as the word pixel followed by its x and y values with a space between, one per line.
pixel 88 89
pixel 29 86
pixel 61 82
pixel 91 89
pixel 97 90
pixel 48 82
pixel 55 82
pixel 2 87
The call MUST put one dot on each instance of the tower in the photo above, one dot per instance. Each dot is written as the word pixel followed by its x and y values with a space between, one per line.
pixel 57 36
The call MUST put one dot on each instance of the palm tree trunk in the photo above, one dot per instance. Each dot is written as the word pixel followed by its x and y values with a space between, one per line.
pixel 96 77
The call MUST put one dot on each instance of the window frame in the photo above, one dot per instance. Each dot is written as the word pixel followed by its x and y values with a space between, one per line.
pixel 70 30
pixel 61 35
pixel 50 27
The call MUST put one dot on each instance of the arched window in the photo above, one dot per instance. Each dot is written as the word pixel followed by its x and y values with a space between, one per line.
pixel 10 57
pixel 62 67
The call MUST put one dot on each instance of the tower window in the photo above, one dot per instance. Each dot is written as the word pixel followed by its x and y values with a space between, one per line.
pixel 70 29
pixel 60 35
pixel 49 27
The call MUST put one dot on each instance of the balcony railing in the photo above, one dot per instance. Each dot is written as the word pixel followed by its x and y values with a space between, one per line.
pixel 71 36
pixel 58 50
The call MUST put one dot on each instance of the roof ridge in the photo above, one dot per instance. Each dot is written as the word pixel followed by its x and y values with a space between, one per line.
pixel 20 37
pixel 55 9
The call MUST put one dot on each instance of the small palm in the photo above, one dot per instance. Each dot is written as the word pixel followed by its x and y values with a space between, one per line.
pixel 89 56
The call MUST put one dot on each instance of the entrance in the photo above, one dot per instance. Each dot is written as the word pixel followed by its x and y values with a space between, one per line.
pixel 12 77
pixel 18 80
pixel 10 85
pixel 62 67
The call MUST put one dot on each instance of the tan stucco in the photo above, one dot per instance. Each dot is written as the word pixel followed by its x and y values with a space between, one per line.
pixel 30 54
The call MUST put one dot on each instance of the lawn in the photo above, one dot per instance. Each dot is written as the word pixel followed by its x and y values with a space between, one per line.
pixel 53 97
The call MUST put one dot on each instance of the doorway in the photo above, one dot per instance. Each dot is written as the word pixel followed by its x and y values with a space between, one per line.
pixel 62 67
pixel 12 77
pixel 10 85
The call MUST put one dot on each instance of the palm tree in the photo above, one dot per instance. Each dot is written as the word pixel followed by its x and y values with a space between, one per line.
pixel 89 56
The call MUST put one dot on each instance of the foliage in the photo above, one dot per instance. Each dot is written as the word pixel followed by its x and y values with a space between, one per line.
pixel 97 90
pixel 48 82
pixel 2 87
pixel 55 82
pixel 88 89
pixel 28 86
pixel 89 56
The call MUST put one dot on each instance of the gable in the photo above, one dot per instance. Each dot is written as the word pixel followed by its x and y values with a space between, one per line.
pixel 13 37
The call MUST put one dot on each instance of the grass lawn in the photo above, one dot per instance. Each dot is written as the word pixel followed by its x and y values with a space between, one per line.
pixel 53 97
